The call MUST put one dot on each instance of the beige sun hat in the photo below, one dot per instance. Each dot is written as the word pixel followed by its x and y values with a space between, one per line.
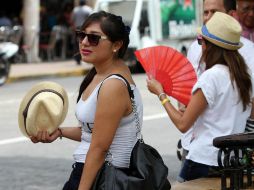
pixel 44 107
pixel 222 30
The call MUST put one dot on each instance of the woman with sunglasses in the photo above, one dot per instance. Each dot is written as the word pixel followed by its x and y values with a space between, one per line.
pixel 107 124
pixel 222 98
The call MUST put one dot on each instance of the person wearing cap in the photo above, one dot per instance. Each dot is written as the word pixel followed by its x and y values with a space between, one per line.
pixel 245 15
pixel 221 99
pixel 107 129
pixel 194 53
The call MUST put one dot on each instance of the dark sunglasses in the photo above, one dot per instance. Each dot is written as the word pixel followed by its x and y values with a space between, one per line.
pixel 200 40
pixel 93 39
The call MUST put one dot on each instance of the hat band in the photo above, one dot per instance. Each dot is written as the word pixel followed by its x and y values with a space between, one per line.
pixel 208 34
pixel 30 101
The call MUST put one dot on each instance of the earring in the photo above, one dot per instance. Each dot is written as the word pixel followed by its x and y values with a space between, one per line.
pixel 114 50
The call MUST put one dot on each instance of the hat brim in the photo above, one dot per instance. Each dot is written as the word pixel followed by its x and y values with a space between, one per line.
pixel 219 43
pixel 38 87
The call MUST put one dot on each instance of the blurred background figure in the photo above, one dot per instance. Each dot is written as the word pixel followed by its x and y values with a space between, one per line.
pixel 4 20
pixel 79 15
pixel 245 15
pixel 44 26
pixel 67 15
pixel 65 19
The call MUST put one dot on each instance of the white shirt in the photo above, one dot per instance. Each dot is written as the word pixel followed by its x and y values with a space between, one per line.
pixel 194 54
pixel 80 14
pixel 247 52
pixel 224 114
pixel 125 136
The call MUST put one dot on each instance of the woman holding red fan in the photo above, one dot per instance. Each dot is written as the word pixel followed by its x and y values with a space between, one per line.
pixel 221 99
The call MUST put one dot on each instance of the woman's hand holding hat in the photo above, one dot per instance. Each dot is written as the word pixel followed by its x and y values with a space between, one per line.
pixel 45 137
pixel 43 108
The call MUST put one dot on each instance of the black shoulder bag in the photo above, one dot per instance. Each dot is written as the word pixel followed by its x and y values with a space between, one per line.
pixel 146 171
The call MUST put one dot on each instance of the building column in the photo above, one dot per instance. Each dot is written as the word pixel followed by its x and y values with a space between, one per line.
pixel 31 23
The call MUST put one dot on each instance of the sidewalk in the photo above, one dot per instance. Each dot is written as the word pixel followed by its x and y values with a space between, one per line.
pixel 20 71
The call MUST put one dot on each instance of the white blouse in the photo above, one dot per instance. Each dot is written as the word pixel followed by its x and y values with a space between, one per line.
pixel 224 114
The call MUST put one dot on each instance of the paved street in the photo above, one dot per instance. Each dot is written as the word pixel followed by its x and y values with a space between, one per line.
pixel 28 166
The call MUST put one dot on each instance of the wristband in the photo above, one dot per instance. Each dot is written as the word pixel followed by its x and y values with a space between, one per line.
pixel 249 125
pixel 61 133
pixel 164 101
pixel 161 94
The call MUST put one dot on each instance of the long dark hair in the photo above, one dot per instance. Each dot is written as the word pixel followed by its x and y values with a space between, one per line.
pixel 238 70
pixel 114 28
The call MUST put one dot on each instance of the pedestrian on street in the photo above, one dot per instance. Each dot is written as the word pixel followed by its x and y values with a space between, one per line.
pixel 195 52
pixel 221 99
pixel 80 13
pixel 104 108
pixel 78 16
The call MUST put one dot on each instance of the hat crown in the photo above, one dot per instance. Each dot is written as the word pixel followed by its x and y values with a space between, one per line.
pixel 44 107
pixel 224 27
pixel 222 30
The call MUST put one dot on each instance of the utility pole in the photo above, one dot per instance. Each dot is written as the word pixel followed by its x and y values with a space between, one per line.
pixel 31 20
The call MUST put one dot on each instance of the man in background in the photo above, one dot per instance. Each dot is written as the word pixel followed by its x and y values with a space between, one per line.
pixel 79 15
pixel 245 15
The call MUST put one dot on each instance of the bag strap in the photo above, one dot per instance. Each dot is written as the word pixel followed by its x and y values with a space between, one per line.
pixel 133 103
pixel 134 110
pixel 127 83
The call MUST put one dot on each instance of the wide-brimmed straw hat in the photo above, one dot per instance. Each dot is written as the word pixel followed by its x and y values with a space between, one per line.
pixel 222 30
pixel 44 107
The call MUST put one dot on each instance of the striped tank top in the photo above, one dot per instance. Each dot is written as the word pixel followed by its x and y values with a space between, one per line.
pixel 126 134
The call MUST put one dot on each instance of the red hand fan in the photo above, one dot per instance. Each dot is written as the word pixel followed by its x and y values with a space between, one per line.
pixel 172 69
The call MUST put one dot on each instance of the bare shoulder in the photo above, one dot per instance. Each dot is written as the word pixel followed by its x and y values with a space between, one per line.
pixel 113 87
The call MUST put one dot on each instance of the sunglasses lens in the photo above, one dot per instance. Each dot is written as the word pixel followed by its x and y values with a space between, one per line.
pixel 93 39
pixel 80 36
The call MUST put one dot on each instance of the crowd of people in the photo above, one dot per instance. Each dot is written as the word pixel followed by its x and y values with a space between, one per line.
pixel 56 28
pixel 221 101
pixel 69 19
